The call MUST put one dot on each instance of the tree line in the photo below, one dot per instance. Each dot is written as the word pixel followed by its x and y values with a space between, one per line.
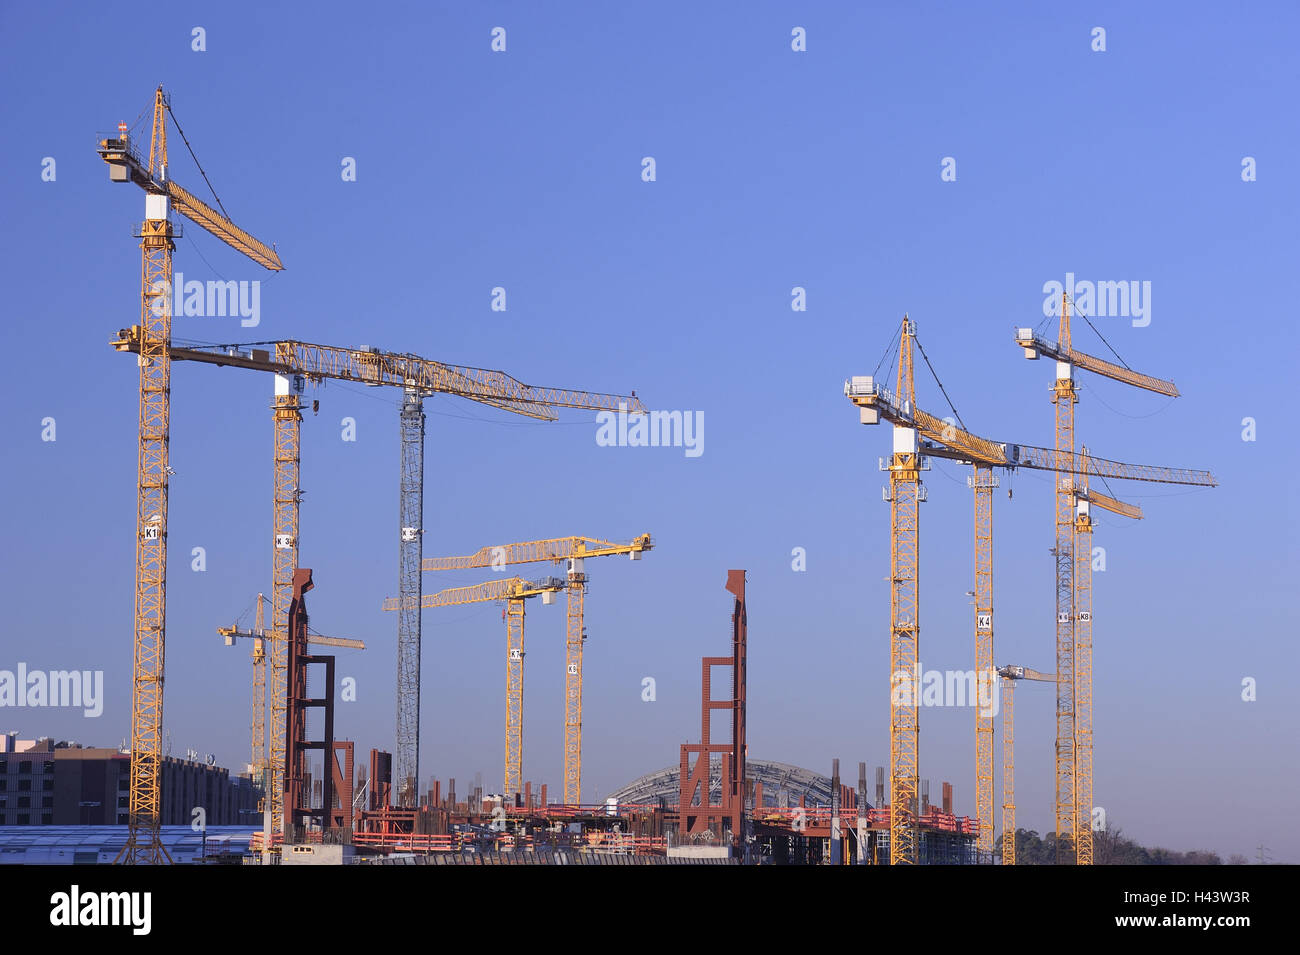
pixel 1110 847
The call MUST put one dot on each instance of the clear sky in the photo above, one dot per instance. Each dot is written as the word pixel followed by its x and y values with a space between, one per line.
pixel 820 169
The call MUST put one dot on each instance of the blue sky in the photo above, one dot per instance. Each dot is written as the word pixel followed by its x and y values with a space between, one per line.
pixel 774 169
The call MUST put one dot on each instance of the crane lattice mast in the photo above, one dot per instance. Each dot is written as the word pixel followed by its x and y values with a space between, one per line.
pixel 296 363
pixel 157 242
pixel 572 551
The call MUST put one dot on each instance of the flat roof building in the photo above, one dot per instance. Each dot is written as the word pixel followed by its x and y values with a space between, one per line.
pixel 65 784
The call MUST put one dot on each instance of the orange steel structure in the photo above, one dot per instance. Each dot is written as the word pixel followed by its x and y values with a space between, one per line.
pixel 697 812
pixel 259 636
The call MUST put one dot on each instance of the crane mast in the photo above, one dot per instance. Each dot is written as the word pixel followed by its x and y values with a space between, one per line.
pixel 286 499
pixel 258 765
pixel 514 591
pixel 1064 399
pixel 410 555
pixel 156 245
pixel 1074 764
pixel 982 482
pixel 1008 772
pixel 1083 672
pixel 514 769
pixel 906 492
pixel 575 635
pixel 572 551
pixel 157 242
pixel 945 439
pixel 1008 677
pixel 293 364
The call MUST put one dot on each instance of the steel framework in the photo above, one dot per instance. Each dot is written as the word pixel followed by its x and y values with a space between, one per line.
pixel 410 556
pixel 698 813
pixel 905 495
pixel 1009 676
pixel 1008 772
pixel 514 591
pixel 945 439
pixel 574 551
pixel 1064 399
pixel 904 607
pixel 514 774
pixel 157 234
pixel 297 797
pixel 1083 674
pixel 983 481
pixel 1074 783
pixel 258 764
pixel 575 635
pixel 294 363
pixel 156 244
pixel 286 496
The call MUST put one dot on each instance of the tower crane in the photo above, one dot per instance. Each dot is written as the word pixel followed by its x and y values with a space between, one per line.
pixel 1009 675
pixel 257 763
pixel 1073 764
pixel 259 636
pixel 295 363
pixel 574 551
pixel 157 234
pixel 916 435
pixel 1083 498
pixel 514 591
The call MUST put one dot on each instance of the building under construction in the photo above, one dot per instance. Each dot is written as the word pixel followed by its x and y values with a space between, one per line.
pixel 718 804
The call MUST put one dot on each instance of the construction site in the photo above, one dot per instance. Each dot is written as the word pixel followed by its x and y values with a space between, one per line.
pixel 323 802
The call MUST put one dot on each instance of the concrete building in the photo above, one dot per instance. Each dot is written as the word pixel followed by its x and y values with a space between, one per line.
pixel 26 781
pixel 65 784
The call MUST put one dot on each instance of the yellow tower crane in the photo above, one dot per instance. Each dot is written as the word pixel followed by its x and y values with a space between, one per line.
pixel 514 591
pixel 574 551
pixel 257 763
pixel 157 234
pixel 294 364
pixel 259 636
pixel 1008 676
pixel 945 439
pixel 1084 498
pixel 1073 792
